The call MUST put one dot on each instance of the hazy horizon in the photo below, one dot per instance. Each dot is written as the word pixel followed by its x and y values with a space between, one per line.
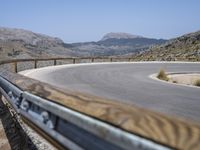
pixel 78 21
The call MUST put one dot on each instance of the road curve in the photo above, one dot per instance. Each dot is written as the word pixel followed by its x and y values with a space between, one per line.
pixel 128 83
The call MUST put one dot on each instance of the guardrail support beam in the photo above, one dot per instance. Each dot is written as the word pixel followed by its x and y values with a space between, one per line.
pixel 15 67
pixel 74 60
pixel 1 103
pixel 55 62
pixel 35 64
pixel 0 96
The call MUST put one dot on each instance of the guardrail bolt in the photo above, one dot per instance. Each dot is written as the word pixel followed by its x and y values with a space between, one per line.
pixel 45 116
pixel 17 101
pixel 10 94
pixel 25 105
pixel 46 119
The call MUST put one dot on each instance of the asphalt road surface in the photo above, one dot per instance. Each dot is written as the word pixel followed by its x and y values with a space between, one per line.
pixel 129 83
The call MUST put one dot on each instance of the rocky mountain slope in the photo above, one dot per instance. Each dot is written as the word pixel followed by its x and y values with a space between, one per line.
pixel 116 44
pixel 19 43
pixel 186 47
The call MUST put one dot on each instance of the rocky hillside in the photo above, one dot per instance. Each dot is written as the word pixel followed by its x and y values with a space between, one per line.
pixel 28 37
pixel 19 43
pixel 116 44
pixel 186 47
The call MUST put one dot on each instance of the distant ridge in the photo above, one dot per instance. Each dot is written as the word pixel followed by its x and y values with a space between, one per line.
pixel 119 35
pixel 20 43
pixel 116 44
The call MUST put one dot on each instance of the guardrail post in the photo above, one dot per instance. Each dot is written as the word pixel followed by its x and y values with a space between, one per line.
pixel 15 67
pixel 111 59
pixel 1 102
pixel 35 64
pixel 0 96
pixel 92 60
pixel 55 62
pixel 129 59
pixel 74 60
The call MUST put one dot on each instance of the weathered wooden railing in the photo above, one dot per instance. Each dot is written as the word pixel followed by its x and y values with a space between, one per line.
pixel 71 60
pixel 80 121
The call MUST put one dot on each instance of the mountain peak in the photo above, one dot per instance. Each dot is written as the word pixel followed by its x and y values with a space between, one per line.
pixel 119 35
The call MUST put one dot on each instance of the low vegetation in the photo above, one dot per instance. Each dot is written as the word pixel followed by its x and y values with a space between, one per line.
pixel 162 75
pixel 197 83
pixel 174 81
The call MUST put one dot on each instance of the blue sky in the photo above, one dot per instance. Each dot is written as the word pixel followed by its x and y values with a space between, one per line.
pixel 89 20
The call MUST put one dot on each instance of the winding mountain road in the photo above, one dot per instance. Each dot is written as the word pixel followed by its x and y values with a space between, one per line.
pixel 128 83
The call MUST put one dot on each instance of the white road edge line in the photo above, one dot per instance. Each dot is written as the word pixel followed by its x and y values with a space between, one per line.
pixel 30 71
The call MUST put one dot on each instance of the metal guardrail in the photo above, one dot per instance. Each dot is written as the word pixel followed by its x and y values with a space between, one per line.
pixel 75 127
pixel 70 128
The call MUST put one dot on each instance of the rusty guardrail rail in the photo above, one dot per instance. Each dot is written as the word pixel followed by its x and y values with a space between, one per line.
pixel 79 121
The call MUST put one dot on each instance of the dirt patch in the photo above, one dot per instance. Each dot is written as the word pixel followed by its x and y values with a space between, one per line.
pixel 4 144
pixel 15 134
pixel 12 137
pixel 186 79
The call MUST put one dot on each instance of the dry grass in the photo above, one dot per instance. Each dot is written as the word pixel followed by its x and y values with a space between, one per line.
pixel 162 75
pixel 197 83
pixel 174 81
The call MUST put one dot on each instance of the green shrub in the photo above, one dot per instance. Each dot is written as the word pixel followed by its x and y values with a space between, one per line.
pixel 162 75
pixel 197 82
